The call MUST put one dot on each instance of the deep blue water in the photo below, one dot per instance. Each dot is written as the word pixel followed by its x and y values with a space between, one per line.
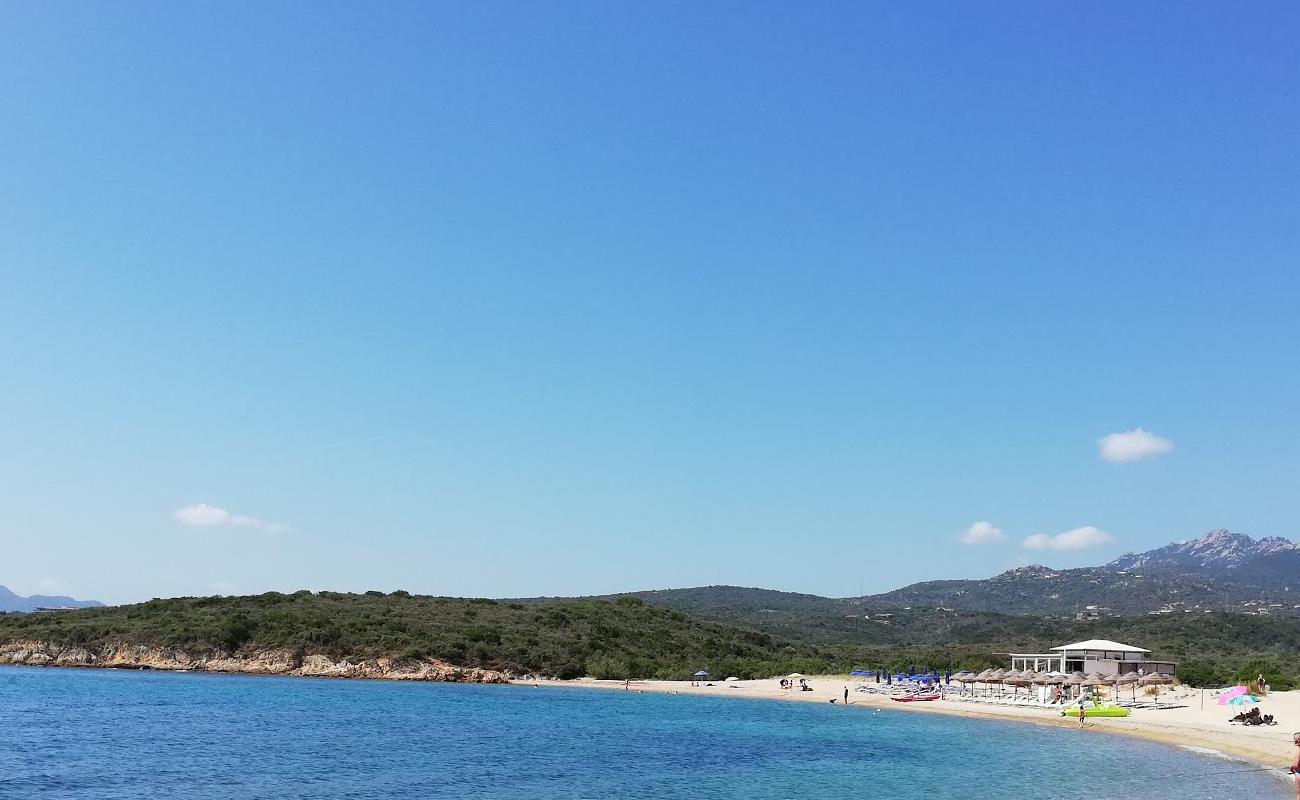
pixel 91 734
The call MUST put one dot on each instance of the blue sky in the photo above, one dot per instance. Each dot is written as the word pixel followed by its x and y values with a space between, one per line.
pixel 517 299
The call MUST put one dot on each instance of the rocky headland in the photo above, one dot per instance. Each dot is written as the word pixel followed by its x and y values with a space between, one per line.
pixel 251 662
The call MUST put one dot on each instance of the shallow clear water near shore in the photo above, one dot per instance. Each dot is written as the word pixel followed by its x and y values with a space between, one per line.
pixel 101 734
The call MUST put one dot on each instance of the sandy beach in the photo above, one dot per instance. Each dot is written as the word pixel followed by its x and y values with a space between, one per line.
pixel 1194 726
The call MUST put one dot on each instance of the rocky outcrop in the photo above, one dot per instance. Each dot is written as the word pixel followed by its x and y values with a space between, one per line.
pixel 247 661
pixel 1217 549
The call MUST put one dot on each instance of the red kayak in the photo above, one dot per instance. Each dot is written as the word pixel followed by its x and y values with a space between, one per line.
pixel 916 698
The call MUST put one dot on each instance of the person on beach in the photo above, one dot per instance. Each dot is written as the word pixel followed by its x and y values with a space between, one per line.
pixel 1294 769
pixel 1083 714
pixel 846 695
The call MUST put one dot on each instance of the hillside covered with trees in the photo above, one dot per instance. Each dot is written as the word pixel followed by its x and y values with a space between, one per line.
pixel 561 638
pixel 728 631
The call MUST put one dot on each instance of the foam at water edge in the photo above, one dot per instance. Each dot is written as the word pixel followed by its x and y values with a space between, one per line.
pixel 1210 751
pixel 1279 774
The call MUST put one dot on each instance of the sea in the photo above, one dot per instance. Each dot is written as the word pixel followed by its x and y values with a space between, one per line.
pixel 89 734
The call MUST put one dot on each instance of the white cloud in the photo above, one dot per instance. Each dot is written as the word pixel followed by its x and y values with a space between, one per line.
pixel 1133 445
pixel 983 533
pixel 202 515
pixel 1077 539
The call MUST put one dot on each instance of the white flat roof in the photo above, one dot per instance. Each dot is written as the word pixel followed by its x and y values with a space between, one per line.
pixel 1101 644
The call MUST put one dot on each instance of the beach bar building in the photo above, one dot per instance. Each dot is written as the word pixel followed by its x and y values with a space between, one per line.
pixel 1111 659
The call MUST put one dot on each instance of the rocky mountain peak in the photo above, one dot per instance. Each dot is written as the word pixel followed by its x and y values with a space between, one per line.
pixel 1218 548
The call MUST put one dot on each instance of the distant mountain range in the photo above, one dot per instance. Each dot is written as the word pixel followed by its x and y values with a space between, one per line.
pixel 1218 550
pixel 13 602
pixel 1221 569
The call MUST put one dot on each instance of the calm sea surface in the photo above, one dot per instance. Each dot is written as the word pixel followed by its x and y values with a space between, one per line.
pixel 90 734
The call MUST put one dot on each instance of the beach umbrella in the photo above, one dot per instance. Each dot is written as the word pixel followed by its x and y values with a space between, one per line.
pixel 1017 681
pixel 732 679
pixel 1097 679
pixel 794 675
pixel 701 674
pixel 1228 694
pixel 1242 700
pixel 1129 679
pixel 1154 680
pixel 1074 681
pixel 1092 681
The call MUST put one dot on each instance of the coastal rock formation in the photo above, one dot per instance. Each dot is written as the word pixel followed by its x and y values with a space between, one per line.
pixel 252 662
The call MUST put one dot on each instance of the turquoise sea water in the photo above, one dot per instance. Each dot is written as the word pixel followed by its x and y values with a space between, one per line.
pixel 91 734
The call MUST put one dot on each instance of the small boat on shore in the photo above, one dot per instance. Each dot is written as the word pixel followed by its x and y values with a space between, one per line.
pixel 916 698
pixel 1096 711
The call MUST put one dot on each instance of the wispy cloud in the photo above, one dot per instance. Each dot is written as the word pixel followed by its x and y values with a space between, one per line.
pixel 1133 445
pixel 983 533
pixel 1077 539
pixel 202 515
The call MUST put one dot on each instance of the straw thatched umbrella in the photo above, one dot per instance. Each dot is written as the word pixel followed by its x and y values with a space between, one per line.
pixel 1074 682
pixel 1154 680
pixel 1129 679
pixel 1093 681
pixel 1053 679
pixel 1031 678
pixel 1017 680
pixel 1096 679
pixel 999 676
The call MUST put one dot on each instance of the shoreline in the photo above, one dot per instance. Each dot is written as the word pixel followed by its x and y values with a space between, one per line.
pixel 1267 747
pixel 267 661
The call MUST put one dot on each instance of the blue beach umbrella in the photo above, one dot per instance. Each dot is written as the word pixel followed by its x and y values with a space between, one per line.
pixel 701 674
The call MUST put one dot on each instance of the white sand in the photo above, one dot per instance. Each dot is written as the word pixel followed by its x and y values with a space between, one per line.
pixel 1193 727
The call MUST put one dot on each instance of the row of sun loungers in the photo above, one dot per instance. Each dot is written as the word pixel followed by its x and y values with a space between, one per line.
pixel 996 698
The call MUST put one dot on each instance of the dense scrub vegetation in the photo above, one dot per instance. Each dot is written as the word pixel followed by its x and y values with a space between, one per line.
pixel 1214 648
pixel 568 639
pixel 728 631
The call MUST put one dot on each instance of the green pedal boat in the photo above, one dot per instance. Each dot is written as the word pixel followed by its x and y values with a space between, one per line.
pixel 1095 710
